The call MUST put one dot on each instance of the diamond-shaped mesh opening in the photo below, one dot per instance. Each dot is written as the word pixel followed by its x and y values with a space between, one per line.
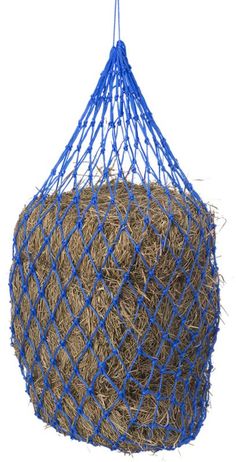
pixel 114 285
pixel 87 367
pixel 108 433
pixel 78 389
pixel 133 395
pixel 64 365
pixel 141 370
pixel 101 301
pixel 101 345
pixel 128 349
pixel 109 395
pixel 88 322
pixel 120 414
pixel 116 370
pixel 48 406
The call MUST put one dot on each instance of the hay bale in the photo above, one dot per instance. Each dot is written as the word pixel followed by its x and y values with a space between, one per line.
pixel 115 313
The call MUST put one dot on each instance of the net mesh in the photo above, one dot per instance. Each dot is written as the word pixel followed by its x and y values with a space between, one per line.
pixel 115 346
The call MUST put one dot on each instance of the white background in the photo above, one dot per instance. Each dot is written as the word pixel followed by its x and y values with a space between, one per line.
pixel 183 55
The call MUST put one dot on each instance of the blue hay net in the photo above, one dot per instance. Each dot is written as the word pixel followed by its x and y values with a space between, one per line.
pixel 116 141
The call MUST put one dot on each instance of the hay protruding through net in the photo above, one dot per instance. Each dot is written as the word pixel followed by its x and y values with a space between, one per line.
pixel 114 283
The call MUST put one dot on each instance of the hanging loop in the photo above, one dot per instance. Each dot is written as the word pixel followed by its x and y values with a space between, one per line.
pixel 116 29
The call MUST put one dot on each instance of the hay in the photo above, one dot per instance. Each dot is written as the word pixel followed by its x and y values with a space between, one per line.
pixel 51 333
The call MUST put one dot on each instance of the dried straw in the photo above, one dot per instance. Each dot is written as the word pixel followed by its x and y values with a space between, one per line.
pixel 152 398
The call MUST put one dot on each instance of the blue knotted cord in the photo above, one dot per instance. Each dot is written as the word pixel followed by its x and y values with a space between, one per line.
pixel 116 135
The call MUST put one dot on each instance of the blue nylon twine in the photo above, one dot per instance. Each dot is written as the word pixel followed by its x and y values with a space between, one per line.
pixel 116 138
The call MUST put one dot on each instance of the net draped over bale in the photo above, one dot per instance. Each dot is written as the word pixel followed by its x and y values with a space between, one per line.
pixel 114 282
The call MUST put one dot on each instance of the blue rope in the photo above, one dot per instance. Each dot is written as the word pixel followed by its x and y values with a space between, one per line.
pixel 115 130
